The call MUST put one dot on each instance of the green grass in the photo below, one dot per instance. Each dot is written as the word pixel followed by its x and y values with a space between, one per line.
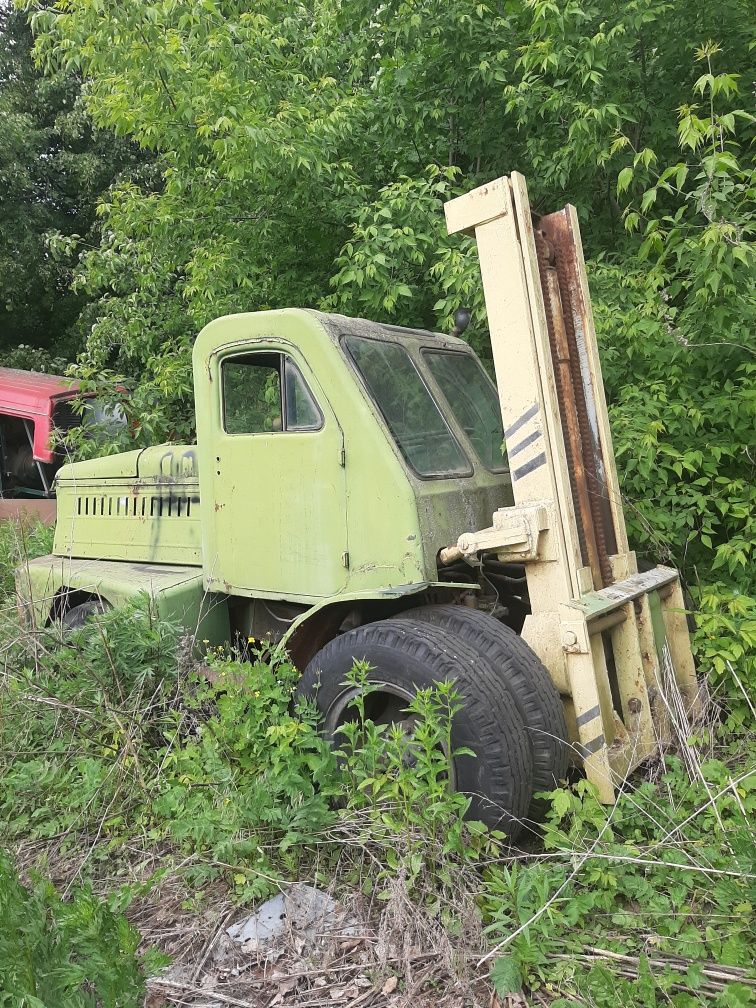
pixel 114 740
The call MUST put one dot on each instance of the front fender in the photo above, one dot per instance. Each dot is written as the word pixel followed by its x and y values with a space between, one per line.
pixel 318 625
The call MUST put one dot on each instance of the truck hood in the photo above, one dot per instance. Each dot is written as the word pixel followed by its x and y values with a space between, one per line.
pixel 166 462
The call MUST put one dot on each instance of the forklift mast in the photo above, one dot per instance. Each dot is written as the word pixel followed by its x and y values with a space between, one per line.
pixel 614 641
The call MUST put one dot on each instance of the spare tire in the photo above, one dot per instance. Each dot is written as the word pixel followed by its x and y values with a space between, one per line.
pixel 525 678
pixel 403 657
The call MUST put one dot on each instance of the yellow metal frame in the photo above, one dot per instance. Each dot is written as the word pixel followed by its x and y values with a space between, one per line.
pixel 616 719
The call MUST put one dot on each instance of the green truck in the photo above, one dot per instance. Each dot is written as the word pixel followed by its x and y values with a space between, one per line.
pixel 331 503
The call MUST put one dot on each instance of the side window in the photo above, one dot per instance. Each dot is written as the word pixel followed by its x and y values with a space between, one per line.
pixel 302 412
pixel 264 393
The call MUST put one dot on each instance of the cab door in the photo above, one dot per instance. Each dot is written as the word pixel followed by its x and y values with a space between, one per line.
pixel 278 512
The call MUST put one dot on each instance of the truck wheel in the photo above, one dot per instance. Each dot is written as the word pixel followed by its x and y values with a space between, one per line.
pixel 78 615
pixel 403 658
pixel 524 677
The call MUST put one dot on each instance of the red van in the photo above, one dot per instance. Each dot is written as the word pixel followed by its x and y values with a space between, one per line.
pixel 31 406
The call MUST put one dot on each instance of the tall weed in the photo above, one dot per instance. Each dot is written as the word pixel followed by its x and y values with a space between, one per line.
pixel 113 732
pixel 20 542
pixel 72 954
pixel 664 881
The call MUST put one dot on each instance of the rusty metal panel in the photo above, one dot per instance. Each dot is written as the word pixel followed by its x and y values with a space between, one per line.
pixel 565 232
pixel 561 261
pixel 28 510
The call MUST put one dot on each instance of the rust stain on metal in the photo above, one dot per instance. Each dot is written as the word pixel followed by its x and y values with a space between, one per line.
pixel 561 352
pixel 559 282
pixel 557 229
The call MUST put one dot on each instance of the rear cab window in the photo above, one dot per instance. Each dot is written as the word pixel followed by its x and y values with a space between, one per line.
pixel 408 407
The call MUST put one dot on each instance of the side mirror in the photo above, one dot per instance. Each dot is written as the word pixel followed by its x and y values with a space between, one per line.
pixel 462 318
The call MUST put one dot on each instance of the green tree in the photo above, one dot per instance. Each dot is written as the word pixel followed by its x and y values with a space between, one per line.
pixel 306 150
pixel 54 165
pixel 679 330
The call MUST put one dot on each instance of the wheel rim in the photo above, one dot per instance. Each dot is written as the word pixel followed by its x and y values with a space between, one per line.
pixel 385 704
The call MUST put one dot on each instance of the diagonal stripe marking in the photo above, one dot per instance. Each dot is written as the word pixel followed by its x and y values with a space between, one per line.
pixel 524 443
pixel 529 412
pixel 593 746
pixel 589 715
pixel 529 467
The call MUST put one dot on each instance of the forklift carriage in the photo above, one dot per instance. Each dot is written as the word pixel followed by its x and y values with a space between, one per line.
pixel 615 641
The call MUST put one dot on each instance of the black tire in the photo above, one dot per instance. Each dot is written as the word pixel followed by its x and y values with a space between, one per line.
pixel 527 681
pixel 406 656
pixel 77 616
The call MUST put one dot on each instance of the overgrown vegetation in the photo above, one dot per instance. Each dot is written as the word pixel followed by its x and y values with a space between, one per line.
pixel 301 156
pixel 115 738
pixel 649 904
pixel 71 954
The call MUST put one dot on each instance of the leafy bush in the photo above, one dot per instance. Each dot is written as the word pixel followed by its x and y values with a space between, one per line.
pixel 83 719
pixel 664 879
pixel 398 804
pixel 682 418
pixel 678 347
pixel 725 645
pixel 252 784
pixel 111 730
pixel 65 954
pixel 31 358
pixel 404 772
pixel 18 543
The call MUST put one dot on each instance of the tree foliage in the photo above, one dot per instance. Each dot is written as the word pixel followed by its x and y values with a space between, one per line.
pixel 687 312
pixel 306 150
pixel 54 165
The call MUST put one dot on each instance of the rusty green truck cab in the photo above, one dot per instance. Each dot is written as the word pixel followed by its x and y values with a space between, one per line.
pixel 335 457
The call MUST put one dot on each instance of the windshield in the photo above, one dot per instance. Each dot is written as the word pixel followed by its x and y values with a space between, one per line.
pixel 473 401
pixel 408 408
